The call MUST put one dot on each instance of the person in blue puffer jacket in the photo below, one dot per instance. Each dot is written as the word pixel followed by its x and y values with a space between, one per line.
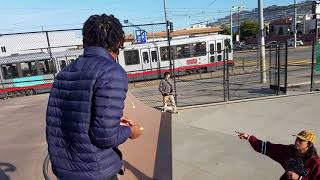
pixel 84 123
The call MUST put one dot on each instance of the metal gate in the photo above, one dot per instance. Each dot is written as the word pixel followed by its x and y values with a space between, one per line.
pixel 278 68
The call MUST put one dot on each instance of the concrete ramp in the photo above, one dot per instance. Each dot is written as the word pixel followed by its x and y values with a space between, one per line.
pixel 148 157
pixel 23 146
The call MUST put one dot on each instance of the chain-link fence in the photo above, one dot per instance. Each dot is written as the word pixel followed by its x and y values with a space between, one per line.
pixel 204 68
pixel 143 61
pixel 299 68
pixel 29 61
pixel 315 68
pixel 245 77
pixel 316 80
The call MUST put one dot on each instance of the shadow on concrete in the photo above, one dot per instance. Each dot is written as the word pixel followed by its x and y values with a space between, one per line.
pixel 6 168
pixel 163 164
pixel 136 172
pixel 162 169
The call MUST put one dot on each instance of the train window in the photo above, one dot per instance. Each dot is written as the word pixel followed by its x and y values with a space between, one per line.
pixel 28 69
pixel 71 58
pixel 219 57
pixel 63 64
pixel 131 57
pixel 227 43
pixel 212 58
pixel 3 49
pixel 219 47
pixel 183 51
pixel 46 67
pixel 212 51
pixel 199 49
pixel 154 56
pixel 9 71
pixel 145 57
pixel 164 53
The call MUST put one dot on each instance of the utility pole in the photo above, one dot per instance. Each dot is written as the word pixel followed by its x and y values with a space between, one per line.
pixel 295 24
pixel 262 45
pixel 231 33
pixel 172 62
pixel 165 10
pixel 239 22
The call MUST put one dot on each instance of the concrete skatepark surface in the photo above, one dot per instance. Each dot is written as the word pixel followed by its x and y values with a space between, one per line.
pixel 149 156
pixel 22 137
pixel 204 145
pixel 23 144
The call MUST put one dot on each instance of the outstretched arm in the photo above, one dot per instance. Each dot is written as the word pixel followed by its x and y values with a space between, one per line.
pixel 274 151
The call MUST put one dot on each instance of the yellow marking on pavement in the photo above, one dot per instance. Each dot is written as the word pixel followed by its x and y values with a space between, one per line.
pixel 290 62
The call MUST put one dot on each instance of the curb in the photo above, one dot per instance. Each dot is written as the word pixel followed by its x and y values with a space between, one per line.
pixel 247 100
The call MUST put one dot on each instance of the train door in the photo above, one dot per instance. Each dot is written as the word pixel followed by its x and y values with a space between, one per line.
pixel 220 50
pixel 212 51
pixel 154 60
pixel 65 61
pixel 62 62
pixel 150 59
pixel 145 55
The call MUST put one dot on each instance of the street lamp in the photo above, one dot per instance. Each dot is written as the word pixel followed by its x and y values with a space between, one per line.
pixel 239 21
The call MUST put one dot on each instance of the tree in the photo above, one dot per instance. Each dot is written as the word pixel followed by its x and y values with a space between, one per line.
pixel 249 29
pixel 226 30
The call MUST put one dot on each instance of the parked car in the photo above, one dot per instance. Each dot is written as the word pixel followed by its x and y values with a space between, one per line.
pixel 298 42
pixel 270 43
pixel 243 46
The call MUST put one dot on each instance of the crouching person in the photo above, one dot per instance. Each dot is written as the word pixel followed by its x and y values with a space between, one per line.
pixel 299 160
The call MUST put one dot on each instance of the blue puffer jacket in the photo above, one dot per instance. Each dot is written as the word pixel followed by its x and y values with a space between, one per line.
pixel 83 117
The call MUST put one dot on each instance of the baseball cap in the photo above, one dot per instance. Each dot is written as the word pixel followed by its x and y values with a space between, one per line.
pixel 307 136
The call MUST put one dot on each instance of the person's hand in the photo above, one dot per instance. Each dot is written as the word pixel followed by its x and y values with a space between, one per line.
pixel 292 175
pixel 136 131
pixel 242 135
pixel 126 122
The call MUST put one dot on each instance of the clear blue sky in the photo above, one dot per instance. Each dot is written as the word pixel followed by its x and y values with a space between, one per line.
pixel 32 15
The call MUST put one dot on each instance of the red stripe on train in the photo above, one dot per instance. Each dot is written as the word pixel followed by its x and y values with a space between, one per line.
pixel 41 86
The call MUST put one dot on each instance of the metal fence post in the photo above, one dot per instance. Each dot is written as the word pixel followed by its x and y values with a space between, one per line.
pixel 258 59
pixel 286 70
pixel 275 64
pixel 312 64
pixel 278 75
pixel 224 81
pixel 172 62
pixel 243 64
pixel 50 54
pixel 228 80
pixel 270 64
